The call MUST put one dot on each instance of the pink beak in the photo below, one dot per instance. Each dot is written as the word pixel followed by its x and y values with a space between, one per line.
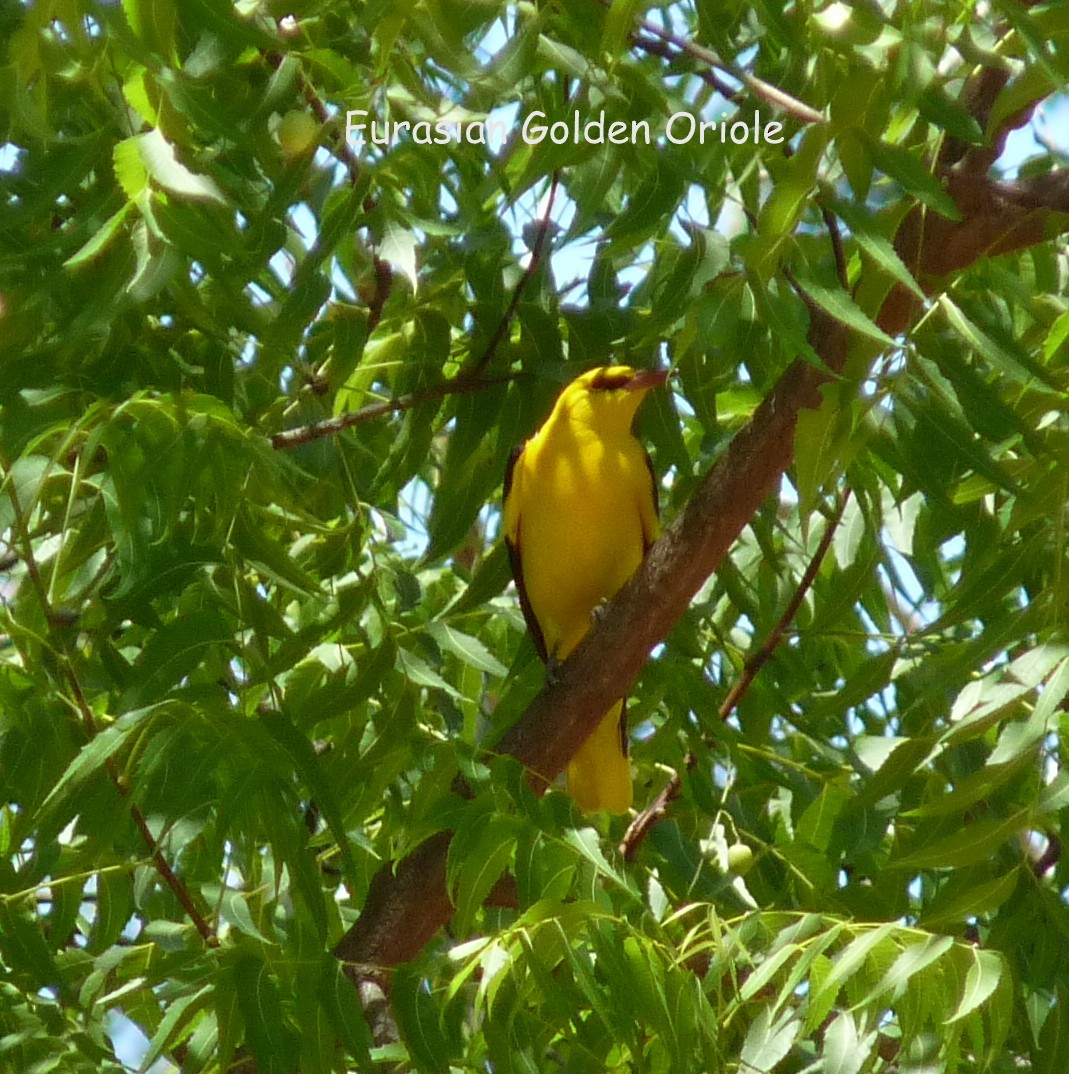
pixel 645 379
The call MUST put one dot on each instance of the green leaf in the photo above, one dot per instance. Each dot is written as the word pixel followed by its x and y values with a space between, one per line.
pixel 89 760
pixel 342 1003
pixel 114 907
pixel 816 824
pixel 907 169
pixel 161 164
pixel 1052 1052
pixel 768 1041
pixel 973 843
pixel 999 357
pixel 844 1051
pixel 173 651
pixel 419 1021
pixel 235 909
pixel 300 751
pixel 965 898
pixel 984 976
pixel 466 648
pixel 24 948
pixel 946 113
pixel 848 962
pixel 100 240
pixel 480 851
pixel 914 959
pixel 399 251
pixel 269 1035
pixel 842 307
pixel 179 1013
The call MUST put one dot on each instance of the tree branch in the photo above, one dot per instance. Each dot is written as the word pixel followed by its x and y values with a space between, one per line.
pixel 305 434
pixel 757 660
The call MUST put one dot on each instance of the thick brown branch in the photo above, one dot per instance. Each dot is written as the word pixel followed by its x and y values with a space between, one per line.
pixel 406 907
pixel 996 217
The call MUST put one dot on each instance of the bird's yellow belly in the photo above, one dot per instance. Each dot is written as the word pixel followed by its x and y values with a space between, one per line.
pixel 581 544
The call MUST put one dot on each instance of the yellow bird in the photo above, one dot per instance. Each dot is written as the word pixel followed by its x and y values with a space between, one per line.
pixel 580 513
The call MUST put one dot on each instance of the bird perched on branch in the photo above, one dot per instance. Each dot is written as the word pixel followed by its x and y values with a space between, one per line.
pixel 580 512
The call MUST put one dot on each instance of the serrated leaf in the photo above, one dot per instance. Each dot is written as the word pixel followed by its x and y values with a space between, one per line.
pixel 399 251
pixel 983 898
pixel 768 969
pixel 478 855
pixel 466 648
pixel 173 651
pixel 419 1021
pixel 24 948
pixel 89 760
pixel 913 960
pixel 1052 1054
pixel 845 310
pixel 178 1014
pixel 301 753
pixel 848 534
pixel 100 239
pixel 268 1034
pixel 419 672
pixel 114 906
pixel 985 973
pixel 768 1041
pixel 587 842
pixel 973 843
pixel 910 172
pixel 342 1004
pixel 161 164
pixel 849 961
pixel 235 908
pixel 1000 358
pixel 844 1051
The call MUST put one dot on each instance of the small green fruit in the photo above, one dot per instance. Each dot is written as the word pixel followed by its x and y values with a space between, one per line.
pixel 740 858
pixel 297 133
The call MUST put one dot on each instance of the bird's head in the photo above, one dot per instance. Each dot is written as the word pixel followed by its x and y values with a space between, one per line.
pixel 607 397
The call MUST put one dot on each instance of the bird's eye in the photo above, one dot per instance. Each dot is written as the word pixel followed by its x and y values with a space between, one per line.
pixel 608 379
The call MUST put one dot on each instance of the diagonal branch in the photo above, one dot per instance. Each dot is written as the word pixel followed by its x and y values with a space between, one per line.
pixel 757 660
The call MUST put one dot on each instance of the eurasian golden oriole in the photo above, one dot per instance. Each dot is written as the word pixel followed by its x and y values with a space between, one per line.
pixel 580 512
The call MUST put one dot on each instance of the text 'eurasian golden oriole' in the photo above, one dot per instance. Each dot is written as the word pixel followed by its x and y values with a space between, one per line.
pixel 580 513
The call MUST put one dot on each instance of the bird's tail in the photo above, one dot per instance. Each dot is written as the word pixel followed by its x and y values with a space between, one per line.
pixel 599 775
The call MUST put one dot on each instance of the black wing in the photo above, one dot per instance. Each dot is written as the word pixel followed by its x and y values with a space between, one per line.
pixel 654 490
pixel 516 562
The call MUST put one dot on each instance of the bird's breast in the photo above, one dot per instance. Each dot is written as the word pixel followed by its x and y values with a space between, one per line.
pixel 581 533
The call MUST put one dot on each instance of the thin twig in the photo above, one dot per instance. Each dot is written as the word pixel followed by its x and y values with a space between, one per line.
pixel 532 267
pixel 663 49
pixel 758 660
pixel 305 434
pixel 831 222
pixel 773 95
pixel 656 811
